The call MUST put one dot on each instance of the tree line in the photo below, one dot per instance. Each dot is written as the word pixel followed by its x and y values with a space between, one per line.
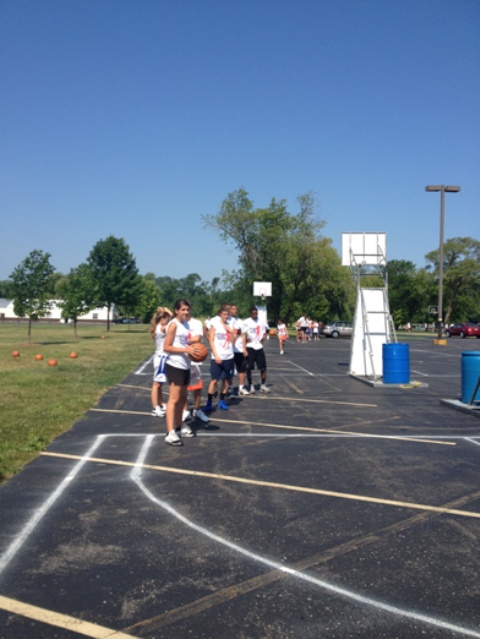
pixel 273 244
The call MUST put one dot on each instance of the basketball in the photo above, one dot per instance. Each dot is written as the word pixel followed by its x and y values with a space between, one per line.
pixel 201 353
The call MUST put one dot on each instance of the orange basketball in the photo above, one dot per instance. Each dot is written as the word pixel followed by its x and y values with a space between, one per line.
pixel 201 353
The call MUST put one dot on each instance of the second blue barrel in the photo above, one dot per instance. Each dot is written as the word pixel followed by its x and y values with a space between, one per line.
pixel 470 375
pixel 396 363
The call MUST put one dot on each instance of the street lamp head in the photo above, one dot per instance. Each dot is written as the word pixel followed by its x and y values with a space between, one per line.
pixel 446 189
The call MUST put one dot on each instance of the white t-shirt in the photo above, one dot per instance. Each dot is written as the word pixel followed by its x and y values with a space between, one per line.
pixel 236 324
pixel 181 340
pixel 254 331
pixel 221 339
pixel 282 331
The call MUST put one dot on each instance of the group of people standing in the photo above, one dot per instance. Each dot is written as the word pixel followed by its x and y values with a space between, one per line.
pixel 235 345
pixel 307 329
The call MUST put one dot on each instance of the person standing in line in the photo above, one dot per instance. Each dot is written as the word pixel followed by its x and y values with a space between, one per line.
pixel 282 334
pixel 177 345
pixel 302 326
pixel 158 325
pixel 315 331
pixel 254 333
pixel 239 350
pixel 221 339
pixel 196 382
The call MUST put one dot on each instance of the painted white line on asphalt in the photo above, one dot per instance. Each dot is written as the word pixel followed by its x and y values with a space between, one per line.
pixel 472 441
pixel 301 368
pixel 140 370
pixel 21 538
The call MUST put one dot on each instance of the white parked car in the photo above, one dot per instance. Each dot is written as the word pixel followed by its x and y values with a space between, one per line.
pixel 338 329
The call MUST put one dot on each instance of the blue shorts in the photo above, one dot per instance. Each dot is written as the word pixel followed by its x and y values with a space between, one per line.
pixel 223 370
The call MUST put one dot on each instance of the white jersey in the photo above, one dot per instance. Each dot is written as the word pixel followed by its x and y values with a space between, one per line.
pixel 159 357
pixel 159 339
pixel 236 324
pixel 221 339
pixel 282 331
pixel 255 332
pixel 181 340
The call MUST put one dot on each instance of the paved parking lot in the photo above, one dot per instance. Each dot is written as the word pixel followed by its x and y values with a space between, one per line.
pixel 327 508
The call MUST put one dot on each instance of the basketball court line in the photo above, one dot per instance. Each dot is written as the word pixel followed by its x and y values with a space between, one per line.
pixel 59 620
pixel 303 429
pixel 268 484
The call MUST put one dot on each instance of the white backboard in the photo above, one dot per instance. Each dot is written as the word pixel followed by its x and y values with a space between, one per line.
pixel 369 249
pixel 262 289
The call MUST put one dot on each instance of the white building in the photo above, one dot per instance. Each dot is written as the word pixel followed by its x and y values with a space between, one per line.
pixel 99 314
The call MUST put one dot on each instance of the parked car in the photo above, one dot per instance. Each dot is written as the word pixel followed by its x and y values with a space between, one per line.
pixel 465 329
pixel 338 329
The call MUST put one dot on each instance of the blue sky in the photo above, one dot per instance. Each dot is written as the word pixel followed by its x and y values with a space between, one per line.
pixel 135 118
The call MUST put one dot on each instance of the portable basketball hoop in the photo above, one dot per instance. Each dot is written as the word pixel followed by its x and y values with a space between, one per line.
pixel 365 254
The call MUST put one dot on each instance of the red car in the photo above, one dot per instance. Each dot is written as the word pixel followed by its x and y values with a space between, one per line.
pixel 467 329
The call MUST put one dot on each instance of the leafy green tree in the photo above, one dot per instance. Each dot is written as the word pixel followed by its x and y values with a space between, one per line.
pixel 77 292
pixel 461 278
pixel 288 250
pixel 114 271
pixel 6 289
pixel 149 299
pixel 33 287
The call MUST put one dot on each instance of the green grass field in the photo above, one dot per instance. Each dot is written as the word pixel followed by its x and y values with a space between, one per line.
pixel 39 402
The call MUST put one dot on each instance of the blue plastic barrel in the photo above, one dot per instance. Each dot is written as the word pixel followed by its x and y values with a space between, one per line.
pixel 470 375
pixel 396 363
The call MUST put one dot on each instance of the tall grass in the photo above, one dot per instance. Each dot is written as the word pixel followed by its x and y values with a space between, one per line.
pixel 39 402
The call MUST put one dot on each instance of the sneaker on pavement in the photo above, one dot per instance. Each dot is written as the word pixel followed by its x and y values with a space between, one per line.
pixel 252 390
pixel 264 388
pixel 186 431
pixel 201 415
pixel 243 391
pixel 186 416
pixel 173 439
pixel 208 407
pixel 281 352
pixel 223 405
pixel 158 411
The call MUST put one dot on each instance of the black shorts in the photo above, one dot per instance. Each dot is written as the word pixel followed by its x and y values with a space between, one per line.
pixel 240 362
pixel 221 371
pixel 256 356
pixel 178 376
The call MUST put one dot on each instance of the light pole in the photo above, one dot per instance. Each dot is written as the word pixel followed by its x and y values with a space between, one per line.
pixel 443 189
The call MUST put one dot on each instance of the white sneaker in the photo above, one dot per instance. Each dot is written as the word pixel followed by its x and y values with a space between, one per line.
pixel 201 415
pixel 264 388
pixel 251 389
pixel 158 411
pixel 186 431
pixel 186 416
pixel 243 391
pixel 281 352
pixel 173 439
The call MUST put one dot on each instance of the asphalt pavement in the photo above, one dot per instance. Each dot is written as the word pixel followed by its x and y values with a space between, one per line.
pixel 326 509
